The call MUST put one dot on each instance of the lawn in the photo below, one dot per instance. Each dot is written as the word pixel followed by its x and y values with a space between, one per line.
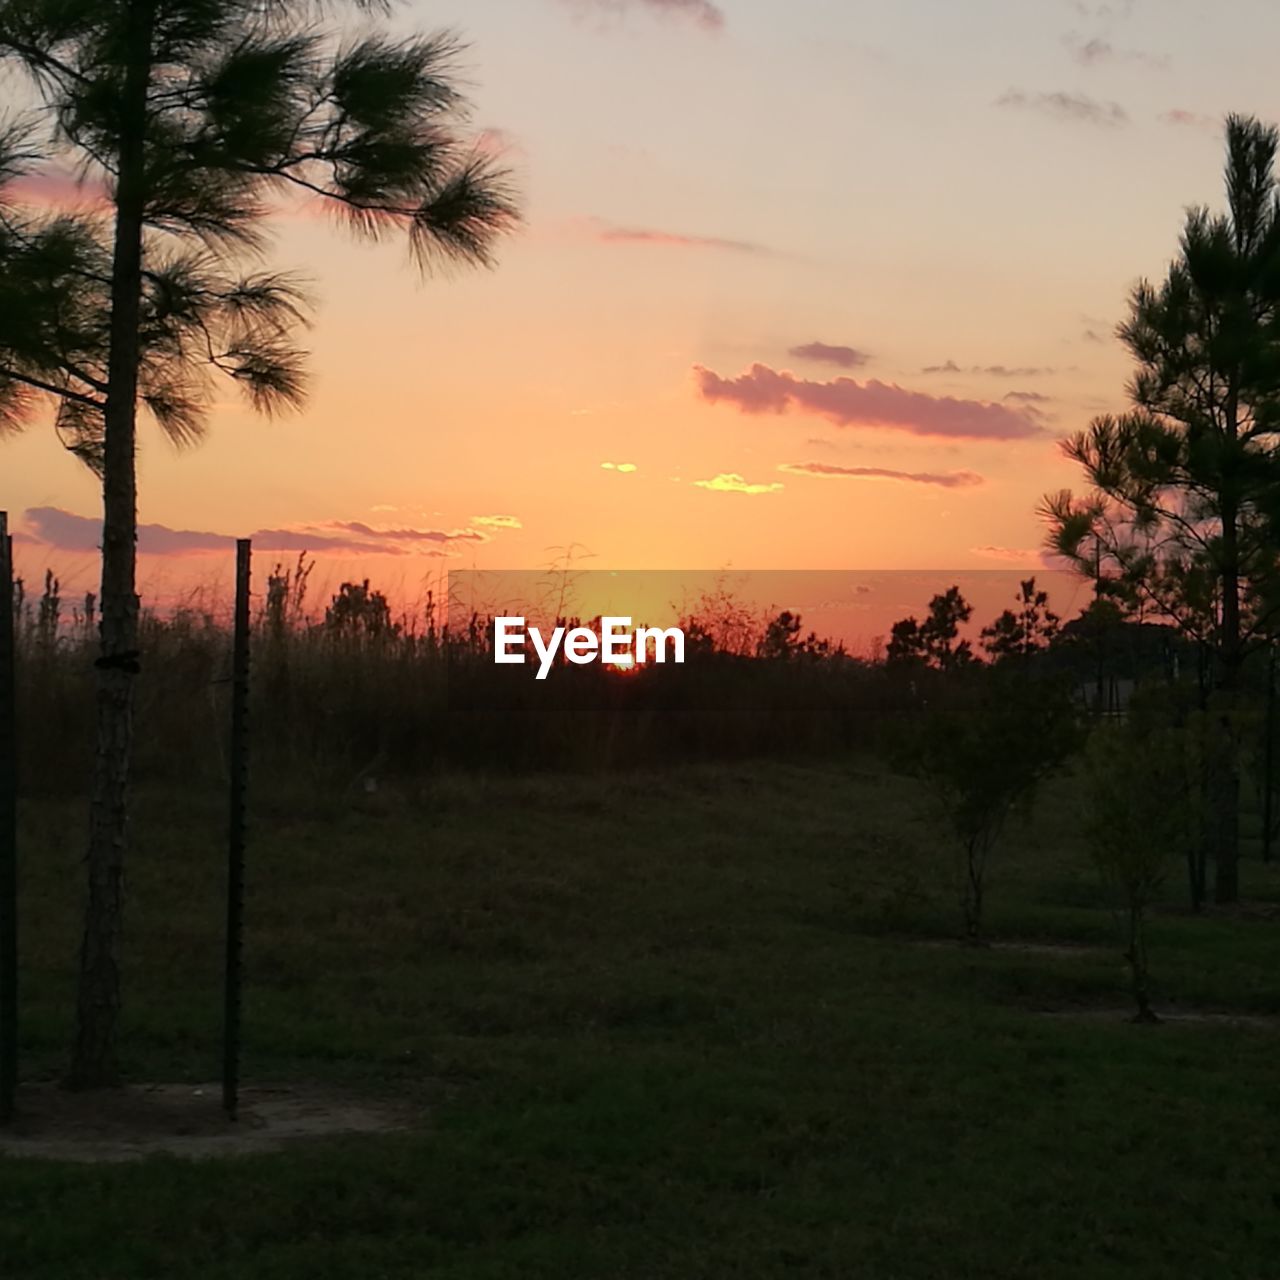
pixel 699 1024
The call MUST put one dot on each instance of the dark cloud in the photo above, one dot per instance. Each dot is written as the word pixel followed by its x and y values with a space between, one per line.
pixel 824 353
pixel 438 536
pixel 1077 107
pixel 66 531
pixel 944 480
pixel 1028 397
pixel 263 540
pixel 868 404
pixel 69 532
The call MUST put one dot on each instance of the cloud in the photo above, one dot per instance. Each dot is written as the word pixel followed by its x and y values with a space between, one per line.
pixel 497 522
pixel 438 536
pixel 945 480
pixel 1121 9
pixel 606 233
pixel 732 482
pixel 1067 106
pixel 1028 397
pixel 66 531
pixel 868 404
pixel 991 370
pixel 822 353
pixel 1097 52
pixel 286 540
pixel 625 467
pixel 702 13
pixel 57 189
pixel 1015 555
pixel 1088 52
pixel 1190 120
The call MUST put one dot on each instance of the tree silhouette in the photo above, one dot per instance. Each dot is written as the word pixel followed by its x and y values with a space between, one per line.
pixel 1021 632
pixel 783 639
pixel 781 636
pixel 195 320
pixel 934 642
pixel 1185 486
pixel 194 113
pixel 53 309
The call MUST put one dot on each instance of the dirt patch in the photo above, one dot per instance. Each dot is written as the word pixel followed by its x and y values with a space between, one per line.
pixel 1260 912
pixel 1173 1017
pixel 185 1120
pixel 1034 948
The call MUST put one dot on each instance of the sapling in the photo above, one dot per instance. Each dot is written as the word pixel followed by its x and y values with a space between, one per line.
pixel 981 747
pixel 1140 812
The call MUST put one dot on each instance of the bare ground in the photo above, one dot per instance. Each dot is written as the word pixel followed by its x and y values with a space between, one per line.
pixel 1173 1017
pixel 1027 947
pixel 135 1121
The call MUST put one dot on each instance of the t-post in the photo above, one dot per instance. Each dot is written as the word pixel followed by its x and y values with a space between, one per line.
pixel 236 833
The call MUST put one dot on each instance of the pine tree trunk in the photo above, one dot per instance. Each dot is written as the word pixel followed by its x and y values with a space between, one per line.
pixel 93 1063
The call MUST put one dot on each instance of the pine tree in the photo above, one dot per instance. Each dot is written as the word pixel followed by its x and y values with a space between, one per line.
pixel 195 113
pixel 1186 486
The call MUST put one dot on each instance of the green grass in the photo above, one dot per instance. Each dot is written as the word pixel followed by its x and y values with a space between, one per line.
pixel 680 1026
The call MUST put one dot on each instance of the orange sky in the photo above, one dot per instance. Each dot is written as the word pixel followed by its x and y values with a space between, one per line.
pixel 813 285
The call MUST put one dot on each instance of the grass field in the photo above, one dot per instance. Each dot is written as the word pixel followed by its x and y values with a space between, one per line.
pixel 670 1027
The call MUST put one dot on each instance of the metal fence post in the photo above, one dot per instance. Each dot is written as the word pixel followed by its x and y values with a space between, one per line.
pixel 8 833
pixel 236 834
pixel 1268 767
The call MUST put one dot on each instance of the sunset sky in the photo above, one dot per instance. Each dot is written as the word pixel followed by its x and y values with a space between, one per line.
pixel 812 285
